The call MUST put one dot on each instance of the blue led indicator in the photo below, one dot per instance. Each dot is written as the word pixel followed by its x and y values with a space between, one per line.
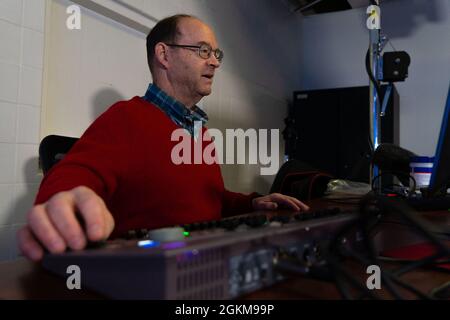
pixel 148 243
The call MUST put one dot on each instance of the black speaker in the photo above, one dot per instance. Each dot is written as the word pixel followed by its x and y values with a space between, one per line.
pixel 332 127
pixel 395 66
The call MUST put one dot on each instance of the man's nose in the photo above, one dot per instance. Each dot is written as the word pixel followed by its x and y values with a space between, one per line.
pixel 213 61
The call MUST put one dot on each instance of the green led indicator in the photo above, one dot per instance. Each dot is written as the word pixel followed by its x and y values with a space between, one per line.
pixel 186 234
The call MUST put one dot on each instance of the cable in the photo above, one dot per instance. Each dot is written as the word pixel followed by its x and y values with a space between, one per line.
pixel 392 45
pixel 372 149
pixel 372 208
pixel 395 174
pixel 305 7
pixel 388 277
pixel 367 226
pixel 340 285
pixel 397 206
pixel 371 76
pixel 442 291
pixel 416 264
pixel 377 90
pixel 339 273
pixel 436 267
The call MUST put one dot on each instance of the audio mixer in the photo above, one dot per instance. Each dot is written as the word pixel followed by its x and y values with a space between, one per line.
pixel 207 260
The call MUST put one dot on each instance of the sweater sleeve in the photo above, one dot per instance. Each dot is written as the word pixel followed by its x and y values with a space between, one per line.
pixel 97 160
pixel 234 203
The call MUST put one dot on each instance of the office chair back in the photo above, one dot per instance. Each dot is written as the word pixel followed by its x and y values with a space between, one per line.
pixel 300 180
pixel 52 149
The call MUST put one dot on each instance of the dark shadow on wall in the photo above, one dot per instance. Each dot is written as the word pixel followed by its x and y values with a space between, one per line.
pixel 104 99
pixel 401 19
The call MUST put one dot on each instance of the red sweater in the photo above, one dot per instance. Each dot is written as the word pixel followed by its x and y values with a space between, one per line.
pixel 125 157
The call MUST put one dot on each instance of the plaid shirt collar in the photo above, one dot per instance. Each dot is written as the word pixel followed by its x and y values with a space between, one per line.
pixel 177 111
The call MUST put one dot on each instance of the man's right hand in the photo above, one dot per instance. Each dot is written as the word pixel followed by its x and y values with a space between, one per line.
pixel 58 223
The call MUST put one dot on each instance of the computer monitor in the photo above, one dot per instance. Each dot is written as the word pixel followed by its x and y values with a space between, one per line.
pixel 440 176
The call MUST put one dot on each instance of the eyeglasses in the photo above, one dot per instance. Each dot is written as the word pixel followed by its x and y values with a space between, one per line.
pixel 204 50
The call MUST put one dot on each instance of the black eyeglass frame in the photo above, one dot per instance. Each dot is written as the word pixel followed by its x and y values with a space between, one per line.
pixel 218 54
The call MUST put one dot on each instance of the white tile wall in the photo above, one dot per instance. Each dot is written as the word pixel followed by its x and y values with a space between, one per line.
pixel 33 48
pixel 9 80
pixel 6 203
pixel 14 251
pixel 7 162
pixel 30 86
pixel 27 169
pixel 10 40
pixel 33 14
pixel 5 242
pixel 8 113
pixel 11 10
pixel 21 69
pixel 28 124
pixel 25 193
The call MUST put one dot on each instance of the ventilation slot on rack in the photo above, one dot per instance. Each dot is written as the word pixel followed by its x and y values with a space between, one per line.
pixel 201 276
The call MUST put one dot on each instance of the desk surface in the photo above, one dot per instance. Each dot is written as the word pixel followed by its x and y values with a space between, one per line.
pixel 22 279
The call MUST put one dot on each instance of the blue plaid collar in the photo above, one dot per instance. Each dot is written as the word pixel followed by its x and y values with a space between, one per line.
pixel 177 111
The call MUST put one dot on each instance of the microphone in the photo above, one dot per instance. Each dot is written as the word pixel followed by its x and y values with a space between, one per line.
pixel 392 158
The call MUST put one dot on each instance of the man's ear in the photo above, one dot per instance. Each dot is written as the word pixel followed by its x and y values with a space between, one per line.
pixel 161 54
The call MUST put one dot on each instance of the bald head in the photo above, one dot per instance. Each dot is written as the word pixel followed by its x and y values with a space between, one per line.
pixel 166 30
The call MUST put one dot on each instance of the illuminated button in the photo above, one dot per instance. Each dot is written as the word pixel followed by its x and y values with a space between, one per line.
pixel 148 243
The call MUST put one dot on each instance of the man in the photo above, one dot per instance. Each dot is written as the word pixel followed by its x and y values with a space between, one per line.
pixel 119 176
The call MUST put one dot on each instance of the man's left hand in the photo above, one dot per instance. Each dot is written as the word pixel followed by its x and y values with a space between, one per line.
pixel 275 201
